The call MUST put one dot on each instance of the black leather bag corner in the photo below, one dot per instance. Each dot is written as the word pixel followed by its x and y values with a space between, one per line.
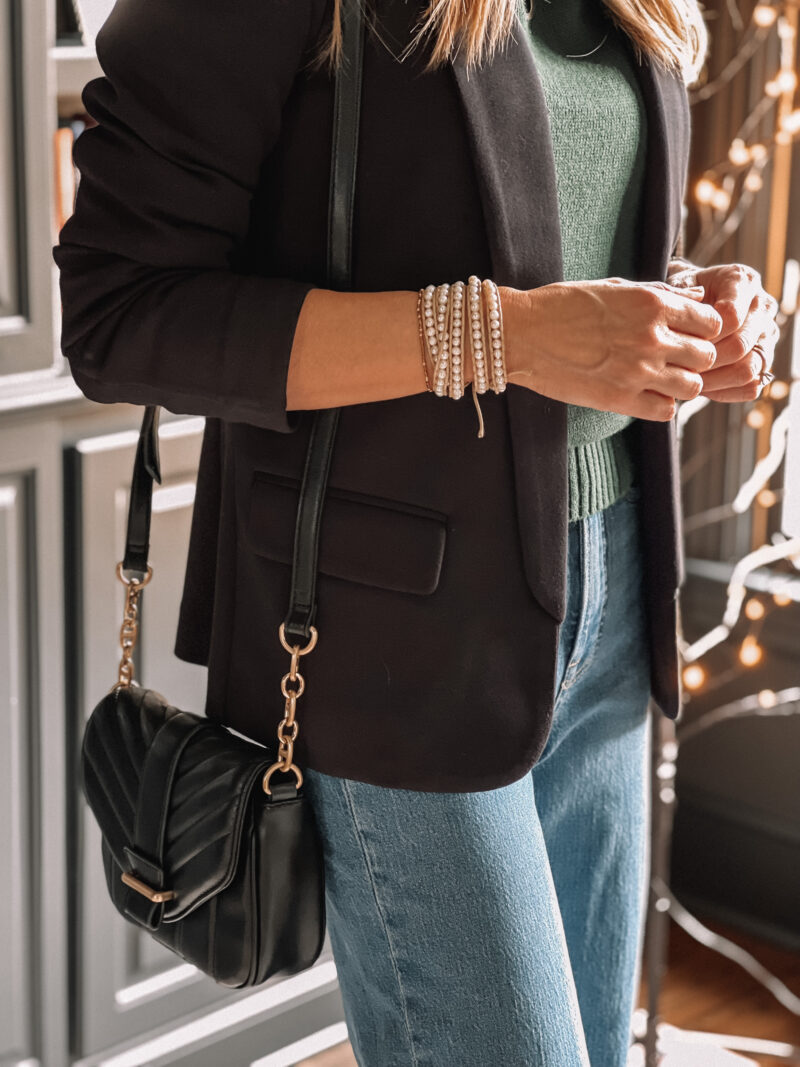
pixel 245 868
pixel 208 841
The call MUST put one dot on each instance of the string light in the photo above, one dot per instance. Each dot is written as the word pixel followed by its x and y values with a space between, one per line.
pixel 693 676
pixel 791 123
pixel 704 191
pixel 767 698
pixel 786 80
pixel 738 153
pixel 767 498
pixel 754 609
pixel 721 200
pixel 764 15
pixel 750 652
pixel 756 418
pixel 779 390
pixel 783 600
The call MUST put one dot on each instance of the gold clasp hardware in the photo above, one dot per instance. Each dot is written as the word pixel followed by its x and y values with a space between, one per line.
pixel 129 631
pixel 292 687
pixel 156 896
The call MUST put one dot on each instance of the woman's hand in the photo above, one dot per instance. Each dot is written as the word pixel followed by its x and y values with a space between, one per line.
pixel 630 347
pixel 748 316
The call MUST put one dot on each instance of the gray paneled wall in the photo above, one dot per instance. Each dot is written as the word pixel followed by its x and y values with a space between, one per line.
pixel 16 759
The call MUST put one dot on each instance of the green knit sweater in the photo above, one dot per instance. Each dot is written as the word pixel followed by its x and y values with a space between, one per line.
pixel 598 130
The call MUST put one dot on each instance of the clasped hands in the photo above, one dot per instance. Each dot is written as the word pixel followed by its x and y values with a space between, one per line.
pixel 748 325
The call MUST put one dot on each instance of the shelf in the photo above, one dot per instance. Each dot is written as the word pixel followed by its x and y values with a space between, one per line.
pixel 75 66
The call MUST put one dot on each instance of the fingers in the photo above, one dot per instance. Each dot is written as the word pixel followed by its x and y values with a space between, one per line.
pixel 654 406
pixel 735 395
pixel 760 320
pixel 685 315
pixel 692 353
pixel 746 369
pixel 735 288
pixel 694 292
pixel 679 383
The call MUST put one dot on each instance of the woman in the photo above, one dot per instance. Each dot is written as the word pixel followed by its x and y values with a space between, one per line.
pixel 494 611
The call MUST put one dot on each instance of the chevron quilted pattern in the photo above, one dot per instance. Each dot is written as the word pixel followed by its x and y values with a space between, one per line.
pixel 179 803
pixel 210 798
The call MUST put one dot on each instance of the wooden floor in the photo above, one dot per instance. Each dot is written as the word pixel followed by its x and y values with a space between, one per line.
pixel 702 992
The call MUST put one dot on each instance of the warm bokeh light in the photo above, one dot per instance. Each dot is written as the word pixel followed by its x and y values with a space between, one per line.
pixel 758 152
pixel 767 498
pixel 754 609
pixel 704 191
pixel 778 390
pixel 764 15
pixel 767 698
pixel 791 122
pixel 750 652
pixel 693 676
pixel 721 200
pixel 783 600
pixel 786 80
pixel 756 418
pixel 738 153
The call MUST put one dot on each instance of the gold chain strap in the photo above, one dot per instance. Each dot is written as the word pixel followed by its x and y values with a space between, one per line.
pixel 292 686
pixel 129 631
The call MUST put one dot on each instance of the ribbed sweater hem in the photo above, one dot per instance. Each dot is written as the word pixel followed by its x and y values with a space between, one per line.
pixel 599 473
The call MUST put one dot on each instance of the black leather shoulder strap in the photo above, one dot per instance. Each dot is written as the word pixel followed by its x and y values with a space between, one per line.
pixel 344 153
pixel 302 599
pixel 146 468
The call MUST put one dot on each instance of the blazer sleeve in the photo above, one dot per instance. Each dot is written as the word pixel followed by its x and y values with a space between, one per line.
pixel 154 310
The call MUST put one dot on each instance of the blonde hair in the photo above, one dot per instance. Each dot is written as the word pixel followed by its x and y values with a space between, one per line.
pixel 670 32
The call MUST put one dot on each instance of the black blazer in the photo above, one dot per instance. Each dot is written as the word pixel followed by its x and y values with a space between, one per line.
pixel 199 228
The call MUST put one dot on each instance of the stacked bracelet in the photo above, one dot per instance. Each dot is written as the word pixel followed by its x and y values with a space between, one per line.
pixel 444 316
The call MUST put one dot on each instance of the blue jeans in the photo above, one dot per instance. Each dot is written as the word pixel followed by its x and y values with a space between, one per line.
pixel 504 926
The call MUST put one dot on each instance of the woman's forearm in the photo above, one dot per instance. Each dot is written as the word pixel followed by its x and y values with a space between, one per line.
pixel 354 348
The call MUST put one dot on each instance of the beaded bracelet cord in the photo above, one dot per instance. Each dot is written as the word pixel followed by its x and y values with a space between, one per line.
pixel 446 320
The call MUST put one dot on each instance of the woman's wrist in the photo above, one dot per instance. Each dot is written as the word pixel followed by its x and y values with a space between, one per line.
pixel 522 319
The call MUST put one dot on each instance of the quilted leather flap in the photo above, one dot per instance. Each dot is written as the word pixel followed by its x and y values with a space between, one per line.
pixel 209 792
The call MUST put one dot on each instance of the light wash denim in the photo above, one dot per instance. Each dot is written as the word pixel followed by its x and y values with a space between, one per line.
pixel 504 926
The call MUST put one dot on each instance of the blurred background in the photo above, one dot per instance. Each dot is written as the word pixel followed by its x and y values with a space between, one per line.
pixel 721 971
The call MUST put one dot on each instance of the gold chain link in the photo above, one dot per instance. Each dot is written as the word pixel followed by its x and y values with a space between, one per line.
pixel 129 631
pixel 292 687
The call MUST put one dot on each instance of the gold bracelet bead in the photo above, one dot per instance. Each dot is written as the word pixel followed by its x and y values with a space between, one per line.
pixel 476 335
pixel 456 336
pixel 441 373
pixel 495 335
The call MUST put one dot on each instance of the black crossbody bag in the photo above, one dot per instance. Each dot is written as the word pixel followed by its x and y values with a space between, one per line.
pixel 208 840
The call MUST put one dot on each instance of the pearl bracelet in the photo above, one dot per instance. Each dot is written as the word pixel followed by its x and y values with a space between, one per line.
pixel 449 313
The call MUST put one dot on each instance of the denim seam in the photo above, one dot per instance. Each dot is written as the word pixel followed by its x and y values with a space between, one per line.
pixel 586 661
pixel 569 677
pixel 604 604
pixel 384 925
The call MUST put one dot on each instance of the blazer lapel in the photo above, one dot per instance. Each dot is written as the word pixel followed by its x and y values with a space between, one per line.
pixel 512 152
pixel 509 134
pixel 668 142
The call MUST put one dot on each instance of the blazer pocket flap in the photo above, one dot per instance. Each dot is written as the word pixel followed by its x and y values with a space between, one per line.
pixel 366 539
